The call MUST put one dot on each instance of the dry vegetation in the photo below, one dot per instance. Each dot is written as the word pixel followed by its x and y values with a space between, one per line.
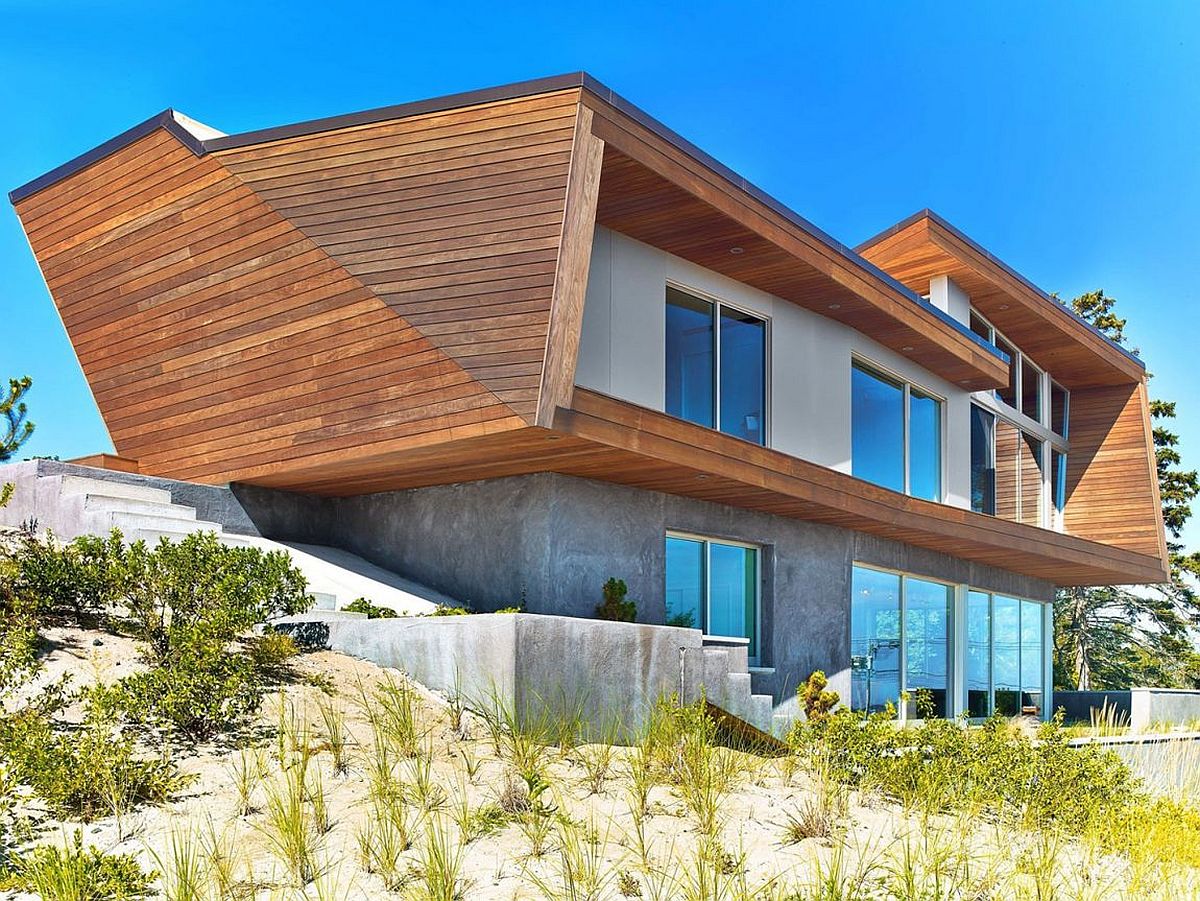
pixel 354 783
pixel 188 758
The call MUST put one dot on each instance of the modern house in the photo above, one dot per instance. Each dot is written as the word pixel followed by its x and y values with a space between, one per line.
pixel 514 342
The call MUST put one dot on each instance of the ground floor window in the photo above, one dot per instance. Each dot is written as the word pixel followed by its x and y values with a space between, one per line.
pixel 713 585
pixel 900 636
pixel 1006 655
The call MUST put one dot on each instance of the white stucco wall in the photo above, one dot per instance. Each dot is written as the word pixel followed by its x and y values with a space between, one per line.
pixel 622 353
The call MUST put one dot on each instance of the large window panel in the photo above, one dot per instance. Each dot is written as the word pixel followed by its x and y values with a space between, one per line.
pixel 743 375
pixel 983 461
pixel 1059 406
pixel 733 592
pixel 877 429
pixel 1006 654
pixel 1008 441
pixel 927 607
pixel 1032 673
pixel 685 582
pixel 713 586
pixel 1008 394
pixel 1032 479
pixel 690 355
pixel 925 446
pixel 978 670
pixel 874 639
pixel 1031 390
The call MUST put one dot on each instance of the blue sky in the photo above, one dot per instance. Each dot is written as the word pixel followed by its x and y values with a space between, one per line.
pixel 1065 137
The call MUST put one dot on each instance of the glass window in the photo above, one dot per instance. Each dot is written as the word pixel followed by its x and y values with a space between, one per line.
pixel 1006 651
pixel 1009 395
pixel 733 400
pixel 879 406
pixel 980 327
pixel 685 582
pixel 925 446
pixel 927 607
pixel 877 429
pixel 983 461
pixel 733 592
pixel 743 375
pixel 713 586
pixel 1031 390
pixel 1031 463
pixel 979 654
pixel 1059 472
pixel 874 639
pixel 1059 407
pixel 1031 658
pixel 1008 441
pixel 690 357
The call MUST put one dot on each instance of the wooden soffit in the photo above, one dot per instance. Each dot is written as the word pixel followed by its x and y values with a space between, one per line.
pixel 926 246
pixel 660 191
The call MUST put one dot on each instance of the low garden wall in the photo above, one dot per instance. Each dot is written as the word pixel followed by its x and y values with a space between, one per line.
pixel 608 674
pixel 1139 708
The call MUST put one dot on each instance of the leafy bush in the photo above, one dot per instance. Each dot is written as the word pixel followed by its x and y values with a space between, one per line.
pixel 615 607
pixel 78 874
pixel 373 611
pixel 815 700
pixel 192 603
pixel 90 575
pixel 84 773
pixel 943 765
pixel 448 610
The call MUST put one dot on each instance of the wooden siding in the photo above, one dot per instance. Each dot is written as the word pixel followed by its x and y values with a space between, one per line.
pixel 220 342
pixel 1112 479
pixel 1052 338
pixel 454 219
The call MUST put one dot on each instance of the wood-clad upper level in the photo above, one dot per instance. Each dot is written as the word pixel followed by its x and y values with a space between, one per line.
pixel 396 298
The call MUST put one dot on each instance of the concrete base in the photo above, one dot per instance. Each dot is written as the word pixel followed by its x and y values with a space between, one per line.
pixel 540 667
pixel 1138 708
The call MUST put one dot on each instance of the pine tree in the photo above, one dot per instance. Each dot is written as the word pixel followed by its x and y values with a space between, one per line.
pixel 16 428
pixel 1118 636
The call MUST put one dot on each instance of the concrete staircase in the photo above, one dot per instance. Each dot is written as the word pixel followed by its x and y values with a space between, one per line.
pixel 84 505
pixel 724 673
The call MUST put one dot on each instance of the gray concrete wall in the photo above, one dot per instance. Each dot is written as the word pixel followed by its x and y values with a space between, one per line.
pixel 609 674
pixel 549 542
pixel 1078 706
pixel 1139 708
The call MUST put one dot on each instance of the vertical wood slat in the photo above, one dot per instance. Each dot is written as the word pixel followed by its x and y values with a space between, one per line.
pixel 571 273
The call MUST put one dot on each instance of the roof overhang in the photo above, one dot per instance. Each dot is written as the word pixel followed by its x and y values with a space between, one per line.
pixel 710 208
pixel 925 246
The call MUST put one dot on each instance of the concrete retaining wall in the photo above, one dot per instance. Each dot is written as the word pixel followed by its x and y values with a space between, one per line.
pixel 1140 708
pixel 538 666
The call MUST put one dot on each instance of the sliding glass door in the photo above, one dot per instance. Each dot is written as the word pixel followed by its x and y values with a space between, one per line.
pixel 713 586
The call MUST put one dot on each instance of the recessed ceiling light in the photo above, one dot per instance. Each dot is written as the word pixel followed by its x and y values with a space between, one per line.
pixel 835 306
pixel 701 477
pixel 907 347
pixel 1004 306
pixel 735 250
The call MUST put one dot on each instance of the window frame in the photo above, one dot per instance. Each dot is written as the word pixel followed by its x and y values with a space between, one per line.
pixel 708 541
pixel 907 386
pixel 1045 666
pixel 952 629
pixel 1041 429
pixel 719 303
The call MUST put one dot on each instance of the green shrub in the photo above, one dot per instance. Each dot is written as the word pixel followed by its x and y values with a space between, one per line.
pixel 88 576
pixel 84 773
pixel 942 765
pixel 78 874
pixel 615 607
pixel 815 700
pixel 373 611
pixel 192 603
pixel 449 610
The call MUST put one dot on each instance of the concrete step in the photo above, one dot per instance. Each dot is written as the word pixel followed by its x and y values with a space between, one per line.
pixel 104 488
pixel 130 520
pixel 781 724
pixel 738 695
pixel 761 712
pixel 98 504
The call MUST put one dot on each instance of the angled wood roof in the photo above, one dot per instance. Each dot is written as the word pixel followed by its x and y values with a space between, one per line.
pixel 395 298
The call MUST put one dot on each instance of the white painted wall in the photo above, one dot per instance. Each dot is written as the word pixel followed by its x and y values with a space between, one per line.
pixel 622 353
